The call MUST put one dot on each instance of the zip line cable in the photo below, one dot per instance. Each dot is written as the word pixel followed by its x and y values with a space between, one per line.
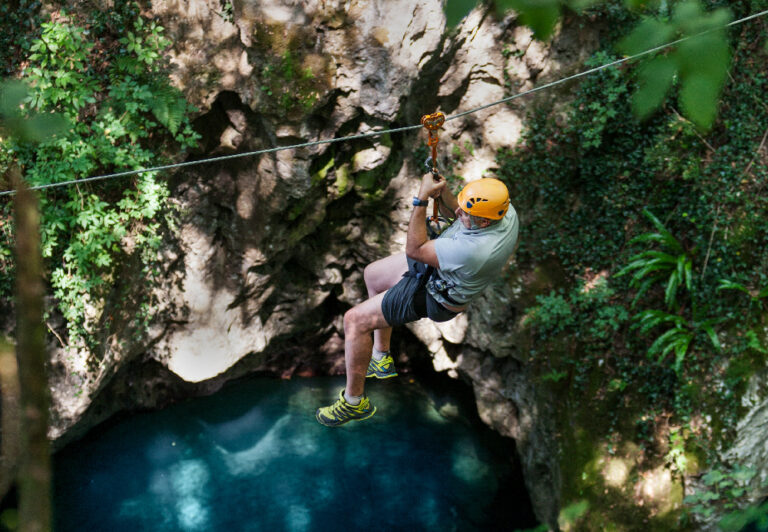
pixel 213 159
pixel 387 131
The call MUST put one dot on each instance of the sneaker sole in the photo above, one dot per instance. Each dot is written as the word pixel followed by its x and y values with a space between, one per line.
pixel 381 377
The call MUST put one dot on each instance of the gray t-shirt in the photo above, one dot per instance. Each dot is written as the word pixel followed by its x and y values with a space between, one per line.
pixel 471 258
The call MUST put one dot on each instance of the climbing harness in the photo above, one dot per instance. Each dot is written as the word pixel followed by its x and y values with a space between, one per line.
pixel 436 223
pixel 429 279
pixel 437 284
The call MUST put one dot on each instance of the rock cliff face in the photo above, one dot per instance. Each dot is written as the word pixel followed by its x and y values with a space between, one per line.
pixel 270 250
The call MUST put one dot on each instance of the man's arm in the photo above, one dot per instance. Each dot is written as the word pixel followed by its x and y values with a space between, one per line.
pixel 418 246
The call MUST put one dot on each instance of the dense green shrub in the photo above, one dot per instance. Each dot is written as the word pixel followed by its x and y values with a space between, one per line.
pixel 107 74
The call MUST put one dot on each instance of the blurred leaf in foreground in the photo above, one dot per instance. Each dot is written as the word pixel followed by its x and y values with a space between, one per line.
pixel 21 125
pixel 539 15
pixel 455 10
pixel 699 64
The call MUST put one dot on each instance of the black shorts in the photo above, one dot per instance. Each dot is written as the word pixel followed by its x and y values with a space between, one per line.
pixel 409 300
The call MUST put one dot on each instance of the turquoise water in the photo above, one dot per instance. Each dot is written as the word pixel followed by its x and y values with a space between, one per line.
pixel 252 457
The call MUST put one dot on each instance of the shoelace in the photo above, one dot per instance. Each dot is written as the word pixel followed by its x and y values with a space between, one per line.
pixel 338 406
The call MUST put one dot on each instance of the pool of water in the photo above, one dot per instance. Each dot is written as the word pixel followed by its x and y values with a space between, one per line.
pixel 252 457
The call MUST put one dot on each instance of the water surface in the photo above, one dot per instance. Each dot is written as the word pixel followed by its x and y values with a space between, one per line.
pixel 252 457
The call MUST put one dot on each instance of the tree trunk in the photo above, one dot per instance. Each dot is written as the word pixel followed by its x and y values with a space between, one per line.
pixel 34 466
pixel 10 437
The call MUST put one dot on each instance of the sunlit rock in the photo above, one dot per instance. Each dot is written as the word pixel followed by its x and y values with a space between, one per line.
pixel 270 249
pixel 616 472
pixel 750 446
pixel 369 159
pixel 657 489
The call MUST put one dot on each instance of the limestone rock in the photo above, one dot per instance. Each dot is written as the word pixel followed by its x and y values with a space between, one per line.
pixel 750 448
pixel 271 249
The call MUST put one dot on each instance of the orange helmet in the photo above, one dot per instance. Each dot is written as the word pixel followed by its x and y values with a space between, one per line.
pixel 486 198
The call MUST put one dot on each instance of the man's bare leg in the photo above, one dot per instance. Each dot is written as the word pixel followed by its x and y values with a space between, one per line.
pixel 359 322
pixel 379 277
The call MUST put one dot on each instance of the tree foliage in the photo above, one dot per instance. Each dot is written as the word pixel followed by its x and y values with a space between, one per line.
pixel 105 72
pixel 699 64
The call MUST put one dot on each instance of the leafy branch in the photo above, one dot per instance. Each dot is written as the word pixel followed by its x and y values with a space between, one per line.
pixel 700 63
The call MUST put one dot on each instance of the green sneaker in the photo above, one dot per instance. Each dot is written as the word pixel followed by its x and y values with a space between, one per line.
pixel 341 411
pixel 382 369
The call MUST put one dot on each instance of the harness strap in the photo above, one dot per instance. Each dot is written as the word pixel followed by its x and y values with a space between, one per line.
pixel 423 277
pixel 442 287
pixel 431 275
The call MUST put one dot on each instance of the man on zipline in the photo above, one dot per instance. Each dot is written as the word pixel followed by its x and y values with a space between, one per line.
pixel 433 279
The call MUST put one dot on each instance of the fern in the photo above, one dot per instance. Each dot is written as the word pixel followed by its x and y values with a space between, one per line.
pixel 678 338
pixel 673 266
pixel 169 107
pixel 754 295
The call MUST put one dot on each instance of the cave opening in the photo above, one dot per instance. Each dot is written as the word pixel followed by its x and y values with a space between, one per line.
pixel 252 455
